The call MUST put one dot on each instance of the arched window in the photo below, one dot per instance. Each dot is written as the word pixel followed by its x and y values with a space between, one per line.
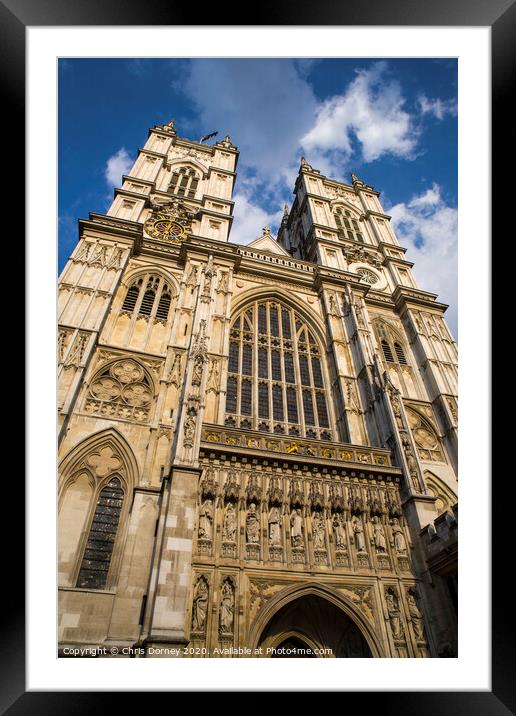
pixel 148 296
pixel 101 538
pixel 348 225
pixel 275 376
pixel 392 349
pixel 184 182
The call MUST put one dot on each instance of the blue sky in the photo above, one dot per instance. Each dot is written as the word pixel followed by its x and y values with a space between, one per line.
pixel 393 122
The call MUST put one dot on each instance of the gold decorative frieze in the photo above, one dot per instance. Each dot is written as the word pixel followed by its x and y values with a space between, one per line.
pixel 244 439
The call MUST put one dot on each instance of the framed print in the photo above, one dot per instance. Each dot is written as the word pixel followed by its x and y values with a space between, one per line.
pixel 257 451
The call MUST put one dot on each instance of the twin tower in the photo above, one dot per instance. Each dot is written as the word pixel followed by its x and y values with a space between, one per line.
pixel 258 443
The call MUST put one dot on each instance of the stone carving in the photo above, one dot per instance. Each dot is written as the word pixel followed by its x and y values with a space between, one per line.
pixel 453 409
pixel 318 531
pixel 76 352
pixel 104 462
pixel 274 527
pixel 359 255
pixel 209 272
pixel 222 286
pixel 200 605
pixel 380 542
pixel 411 464
pixel 62 344
pixel 352 402
pixel 206 520
pixel 121 390
pixel 358 531
pixel 415 615
pixel 394 614
pixel 230 524
pixel 425 437
pixel 339 531
pixel 398 535
pixel 252 525
pixel 359 314
pixel 296 528
pixel 192 277
pixel 253 490
pixel 189 430
pixel 176 371
pixel 333 306
pixel 227 607
pixel 214 375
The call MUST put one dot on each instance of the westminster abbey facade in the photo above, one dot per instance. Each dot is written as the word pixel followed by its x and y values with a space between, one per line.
pixel 257 443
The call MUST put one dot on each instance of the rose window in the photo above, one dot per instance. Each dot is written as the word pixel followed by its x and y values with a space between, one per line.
pixel 367 276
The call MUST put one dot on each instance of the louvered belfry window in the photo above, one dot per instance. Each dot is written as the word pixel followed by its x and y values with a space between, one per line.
pixel 148 296
pixel 101 539
pixel 184 182
pixel 348 225
pixel 275 373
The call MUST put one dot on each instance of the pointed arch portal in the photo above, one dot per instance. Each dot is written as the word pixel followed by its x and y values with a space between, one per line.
pixel 313 622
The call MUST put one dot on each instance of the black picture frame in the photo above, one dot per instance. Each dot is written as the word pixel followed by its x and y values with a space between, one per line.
pixel 500 15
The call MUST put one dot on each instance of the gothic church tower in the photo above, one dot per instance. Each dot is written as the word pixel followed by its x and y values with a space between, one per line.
pixel 258 444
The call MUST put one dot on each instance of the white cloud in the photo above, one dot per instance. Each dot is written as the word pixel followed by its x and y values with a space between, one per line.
pixel 117 165
pixel 439 108
pixel 250 219
pixel 427 226
pixel 265 105
pixel 371 112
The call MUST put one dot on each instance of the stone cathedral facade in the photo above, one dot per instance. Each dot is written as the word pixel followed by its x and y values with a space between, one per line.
pixel 257 443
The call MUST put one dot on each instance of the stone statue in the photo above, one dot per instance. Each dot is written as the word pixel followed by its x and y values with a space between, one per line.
pixel 318 530
pixel 416 616
pixel 399 538
pixel 189 430
pixel 200 605
pixel 274 527
pixel 379 536
pixel 214 375
pixel 230 526
pixel 206 520
pixel 223 282
pixel 394 615
pixel 197 371
pixel 252 525
pixel 192 277
pixel 339 531
pixel 359 536
pixel 296 531
pixel 227 604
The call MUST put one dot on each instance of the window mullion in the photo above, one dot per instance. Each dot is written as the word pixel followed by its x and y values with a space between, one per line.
pixel 297 374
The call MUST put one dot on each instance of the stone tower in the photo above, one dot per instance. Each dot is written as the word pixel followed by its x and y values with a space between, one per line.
pixel 258 444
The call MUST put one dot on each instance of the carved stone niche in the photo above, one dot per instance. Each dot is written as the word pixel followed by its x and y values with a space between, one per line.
pixel 231 488
pixel 275 492
pixel 208 486
pixel 253 490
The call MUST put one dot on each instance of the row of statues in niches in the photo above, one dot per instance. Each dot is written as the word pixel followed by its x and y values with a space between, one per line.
pixel 289 525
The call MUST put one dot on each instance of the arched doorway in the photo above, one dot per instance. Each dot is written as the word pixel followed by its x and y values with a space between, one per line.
pixel 309 624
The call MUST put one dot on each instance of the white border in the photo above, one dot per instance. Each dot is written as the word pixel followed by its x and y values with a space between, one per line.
pixel 471 671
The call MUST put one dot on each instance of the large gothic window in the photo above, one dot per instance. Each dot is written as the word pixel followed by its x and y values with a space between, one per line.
pixel 184 182
pixel 275 375
pixel 348 225
pixel 101 538
pixel 148 296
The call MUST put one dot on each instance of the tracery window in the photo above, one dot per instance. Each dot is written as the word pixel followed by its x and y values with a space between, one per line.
pixel 149 296
pixel 101 538
pixel 121 390
pixel 275 375
pixel 184 182
pixel 348 224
